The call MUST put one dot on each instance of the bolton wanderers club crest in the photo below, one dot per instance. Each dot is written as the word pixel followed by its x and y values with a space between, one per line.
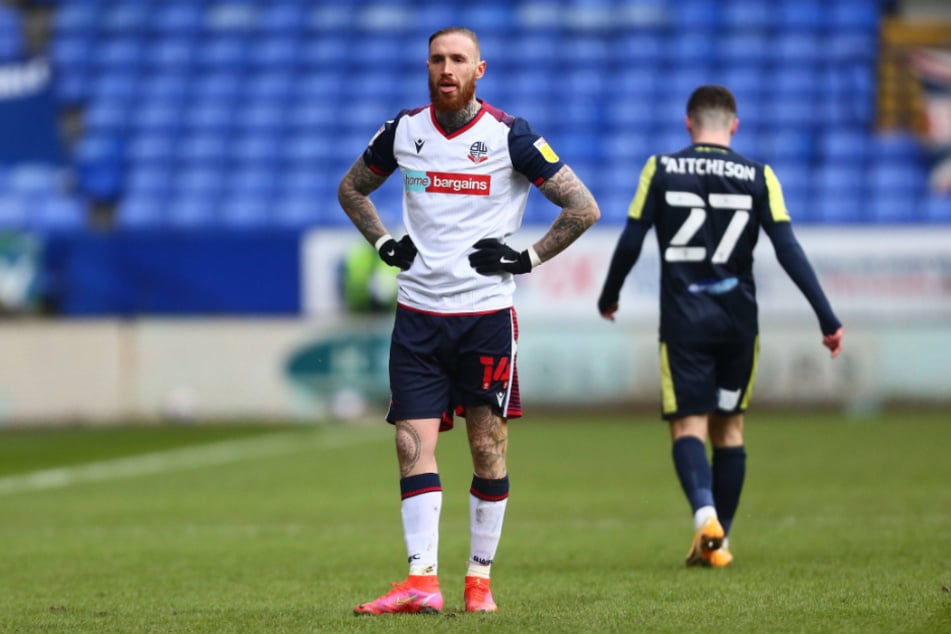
pixel 478 152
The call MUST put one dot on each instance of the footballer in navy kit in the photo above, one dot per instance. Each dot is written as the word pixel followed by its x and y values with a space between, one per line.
pixel 467 169
pixel 707 205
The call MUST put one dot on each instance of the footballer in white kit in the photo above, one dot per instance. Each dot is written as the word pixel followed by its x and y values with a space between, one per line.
pixel 467 170
pixel 459 188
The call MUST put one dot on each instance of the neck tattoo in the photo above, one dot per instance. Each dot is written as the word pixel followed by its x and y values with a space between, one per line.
pixel 452 121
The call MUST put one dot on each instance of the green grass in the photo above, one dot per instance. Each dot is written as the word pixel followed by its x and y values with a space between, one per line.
pixel 844 526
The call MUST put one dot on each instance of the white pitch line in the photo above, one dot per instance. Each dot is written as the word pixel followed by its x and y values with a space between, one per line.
pixel 220 453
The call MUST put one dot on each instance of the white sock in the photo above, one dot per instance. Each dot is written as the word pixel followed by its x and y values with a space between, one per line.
pixel 485 526
pixel 702 514
pixel 421 531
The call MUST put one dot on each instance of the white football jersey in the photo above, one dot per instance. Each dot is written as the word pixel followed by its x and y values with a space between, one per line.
pixel 459 188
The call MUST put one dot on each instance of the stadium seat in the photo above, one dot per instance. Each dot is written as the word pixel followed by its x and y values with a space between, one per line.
pixel 747 15
pixel 173 54
pixel 936 208
pixel 689 47
pixel 177 18
pixel 138 212
pixel 844 145
pixel 285 18
pixel 647 49
pixel 148 148
pixel 58 212
pixel 191 213
pixel 897 146
pixel 701 14
pixel 892 207
pixel 120 53
pixel 806 15
pixel 125 17
pixel 13 212
pixel 201 181
pixel 785 144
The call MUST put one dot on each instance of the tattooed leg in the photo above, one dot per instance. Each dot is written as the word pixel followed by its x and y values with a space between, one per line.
pixel 488 442
pixel 416 446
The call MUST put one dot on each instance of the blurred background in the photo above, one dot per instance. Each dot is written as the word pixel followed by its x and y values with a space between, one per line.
pixel 171 246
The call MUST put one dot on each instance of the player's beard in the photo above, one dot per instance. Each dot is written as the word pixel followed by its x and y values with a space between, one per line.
pixel 454 102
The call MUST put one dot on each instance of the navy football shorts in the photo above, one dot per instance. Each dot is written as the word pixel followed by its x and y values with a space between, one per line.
pixel 702 378
pixel 441 364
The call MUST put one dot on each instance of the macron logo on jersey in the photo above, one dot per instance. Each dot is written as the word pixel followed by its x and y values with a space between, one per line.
pixel 447 183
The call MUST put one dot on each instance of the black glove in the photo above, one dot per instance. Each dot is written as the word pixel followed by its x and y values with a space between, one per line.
pixel 607 302
pixel 399 254
pixel 491 256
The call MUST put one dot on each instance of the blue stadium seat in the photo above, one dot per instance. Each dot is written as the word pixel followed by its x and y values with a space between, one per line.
pixel 797 48
pixel 223 52
pixel 736 49
pixel 204 148
pixel 136 212
pixel 265 116
pixel 688 47
pixel 188 212
pixel 72 54
pixel 305 115
pixel 792 81
pixel 786 144
pixel 844 145
pixel 149 181
pixel 294 212
pixel 75 17
pixel 11 34
pixel 246 212
pixel 897 146
pixel 490 17
pixel 158 116
pixel 172 54
pixel 807 15
pixel 276 53
pixel 312 148
pixel 221 86
pixel 258 148
pixel 285 18
pixel 58 212
pixel 121 53
pixel 13 211
pixel 840 209
pixel 209 116
pixel 232 18
pixel 853 15
pixel 253 182
pixel 177 18
pixel 118 88
pixel 892 208
pixel 276 86
pixel 748 15
pixel 125 17
pixel 936 208
pixel 899 178
pixel 106 116
pixel 205 181
pixel 326 51
pixel 702 14
pixel 150 148
pixel 641 48
pixel 165 90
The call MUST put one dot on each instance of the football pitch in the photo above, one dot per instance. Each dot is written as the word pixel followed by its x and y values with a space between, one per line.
pixel 844 526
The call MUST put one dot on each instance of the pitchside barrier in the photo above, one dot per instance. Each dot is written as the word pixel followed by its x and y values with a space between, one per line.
pixel 890 286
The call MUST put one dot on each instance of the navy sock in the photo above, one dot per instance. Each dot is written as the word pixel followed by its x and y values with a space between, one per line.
pixel 729 470
pixel 693 469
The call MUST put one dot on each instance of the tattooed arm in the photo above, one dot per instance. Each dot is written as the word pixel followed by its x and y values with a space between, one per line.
pixel 579 211
pixel 354 196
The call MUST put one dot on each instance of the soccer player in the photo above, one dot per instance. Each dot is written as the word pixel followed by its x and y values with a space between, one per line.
pixel 707 204
pixel 467 169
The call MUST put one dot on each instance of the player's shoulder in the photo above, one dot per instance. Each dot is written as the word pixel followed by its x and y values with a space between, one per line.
pixel 499 115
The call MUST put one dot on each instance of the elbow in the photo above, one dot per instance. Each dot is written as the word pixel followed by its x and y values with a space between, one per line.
pixel 594 213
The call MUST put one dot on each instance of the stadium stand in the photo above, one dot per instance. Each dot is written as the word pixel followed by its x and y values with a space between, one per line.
pixel 237 114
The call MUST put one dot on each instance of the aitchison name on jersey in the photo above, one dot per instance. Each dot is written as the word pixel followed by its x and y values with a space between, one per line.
pixel 712 166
